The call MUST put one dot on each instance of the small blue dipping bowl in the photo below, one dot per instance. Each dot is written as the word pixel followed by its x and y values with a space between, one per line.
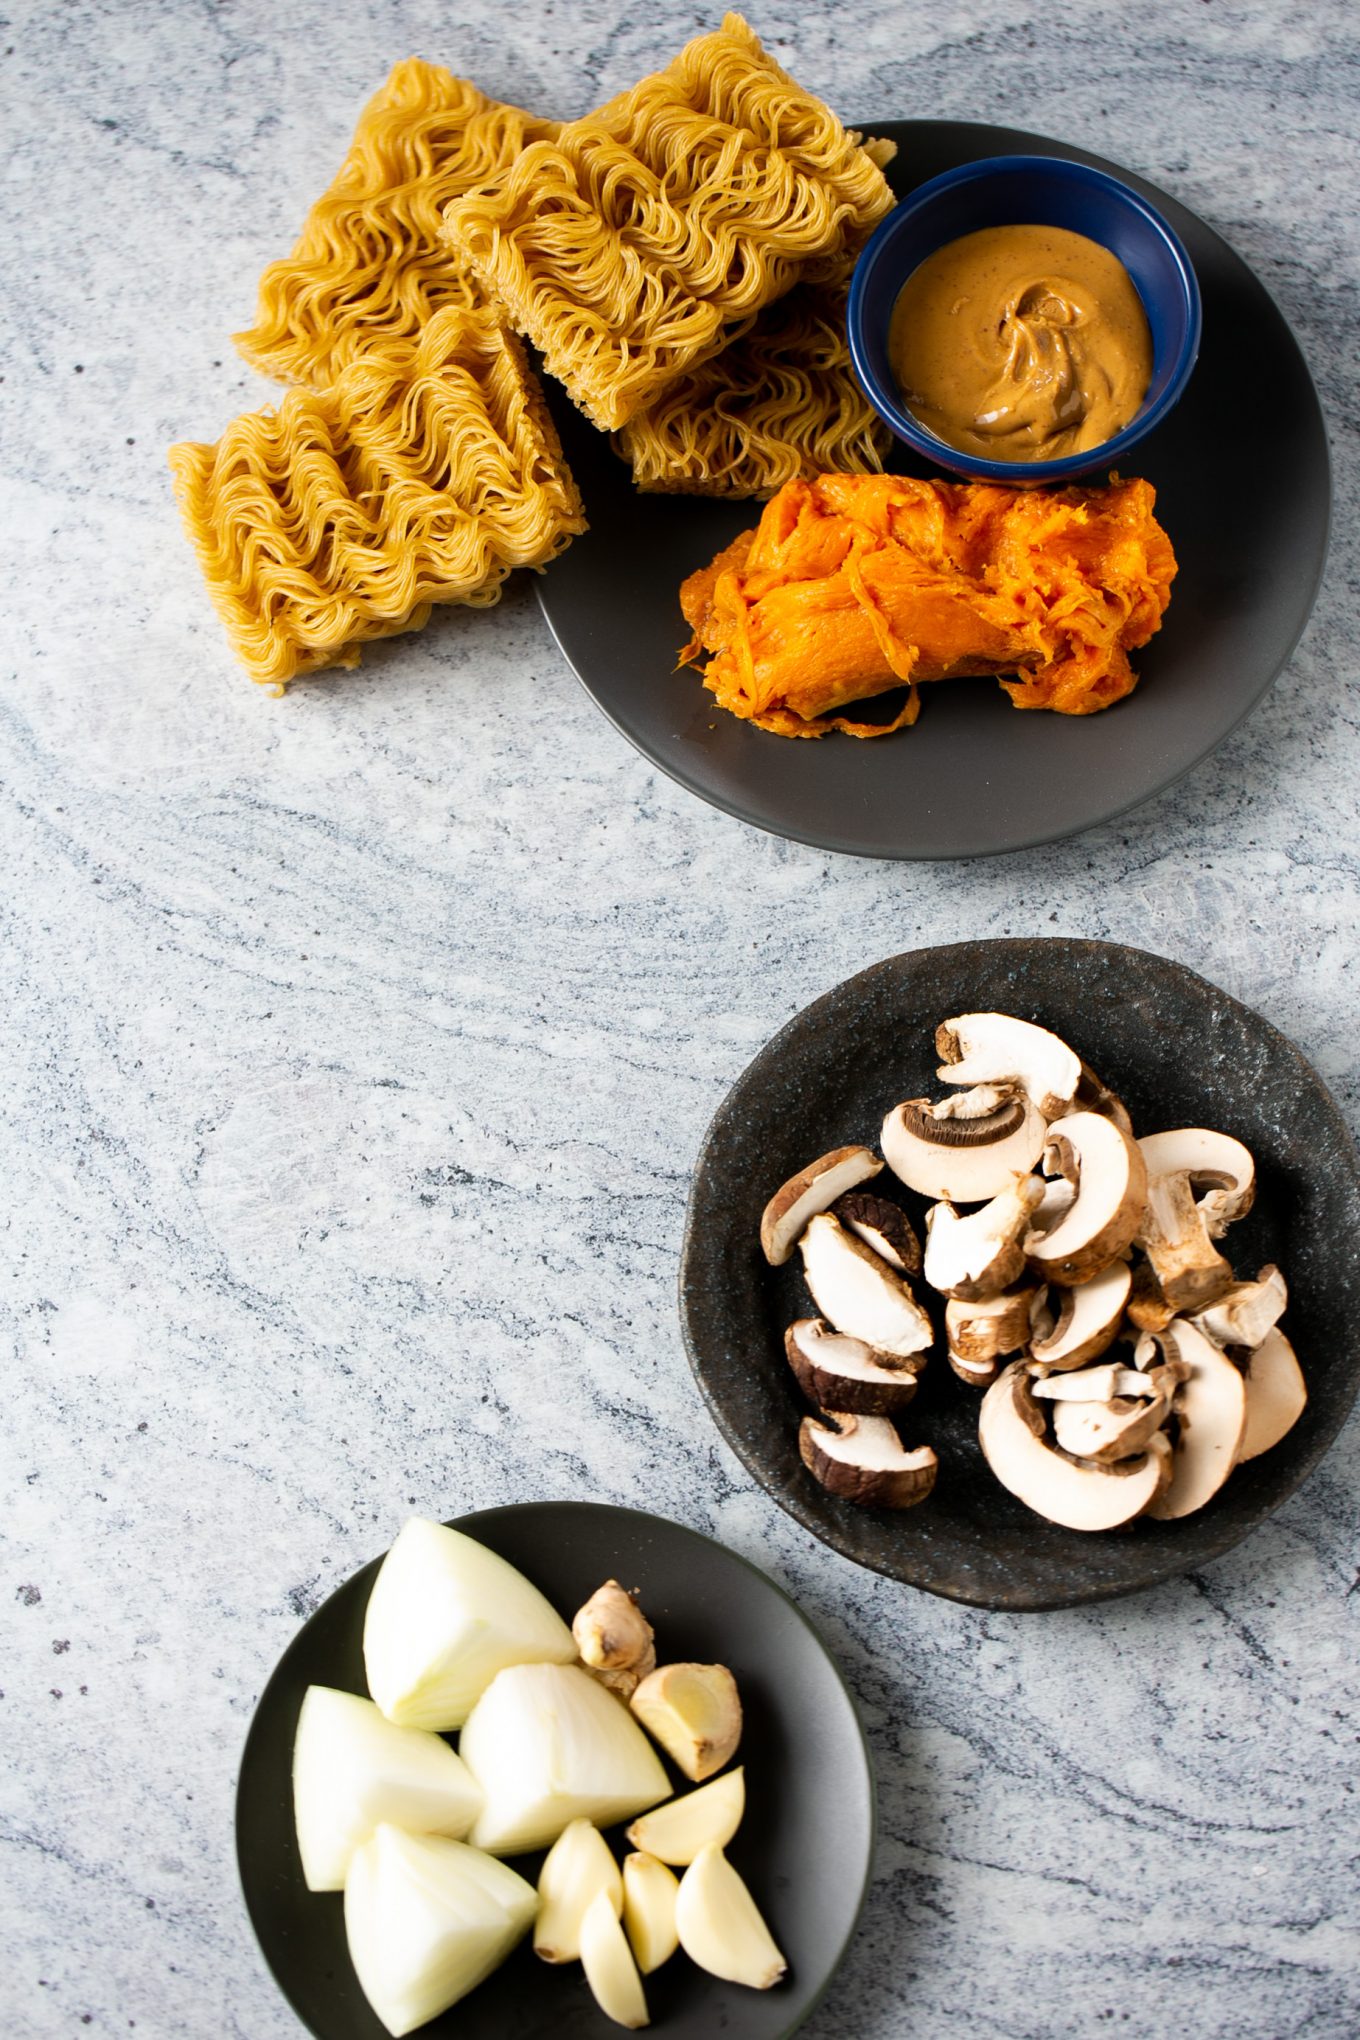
pixel 1048 191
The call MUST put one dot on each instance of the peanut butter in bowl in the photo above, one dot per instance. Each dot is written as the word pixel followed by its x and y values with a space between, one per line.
pixel 1022 343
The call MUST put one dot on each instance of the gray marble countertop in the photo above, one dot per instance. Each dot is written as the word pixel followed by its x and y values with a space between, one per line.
pixel 356 1048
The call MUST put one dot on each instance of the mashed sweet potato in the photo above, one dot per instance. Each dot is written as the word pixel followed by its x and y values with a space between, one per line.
pixel 851 585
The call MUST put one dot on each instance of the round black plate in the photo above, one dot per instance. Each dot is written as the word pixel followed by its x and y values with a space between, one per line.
pixel 805 1845
pixel 1180 1053
pixel 1247 511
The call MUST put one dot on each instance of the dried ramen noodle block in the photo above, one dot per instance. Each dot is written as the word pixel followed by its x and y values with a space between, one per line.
pixel 779 402
pixel 632 247
pixel 371 268
pixel 345 514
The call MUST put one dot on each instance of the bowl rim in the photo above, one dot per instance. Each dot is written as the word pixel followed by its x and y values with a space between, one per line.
pixel 1070 467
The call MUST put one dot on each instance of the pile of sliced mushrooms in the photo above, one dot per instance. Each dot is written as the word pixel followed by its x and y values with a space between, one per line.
pixel 1054 1232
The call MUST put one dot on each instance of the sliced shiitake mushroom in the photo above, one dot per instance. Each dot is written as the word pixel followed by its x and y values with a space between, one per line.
pixel 1072 1326
pixel 984 1253
pixel 882 1225
pixel 839 1373
pixel 1217 1165
pixel 1072 1492
pixel 1276 1395
pixel 860 1294
pixel 813 1189
pixel 863 1460
pixel 1111 1181
pixel 996 1048
pixel 963 1149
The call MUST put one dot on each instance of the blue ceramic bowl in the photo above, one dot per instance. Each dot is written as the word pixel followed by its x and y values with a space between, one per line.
pixel 1026 191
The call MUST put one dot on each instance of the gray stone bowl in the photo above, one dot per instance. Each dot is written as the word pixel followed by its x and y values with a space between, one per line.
pixel 1180 1053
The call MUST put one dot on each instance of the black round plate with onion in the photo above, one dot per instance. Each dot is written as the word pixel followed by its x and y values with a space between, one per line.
pixel 1180 1053
pixel 805 1843
pixel 1247 512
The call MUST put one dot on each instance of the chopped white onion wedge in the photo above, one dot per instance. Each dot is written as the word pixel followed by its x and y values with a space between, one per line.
pixel 548 1744
pixel 354 1770
pixel 445 1615
pixel 427 1919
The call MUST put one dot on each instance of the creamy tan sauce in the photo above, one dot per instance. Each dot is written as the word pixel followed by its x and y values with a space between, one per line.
pixel 1021 343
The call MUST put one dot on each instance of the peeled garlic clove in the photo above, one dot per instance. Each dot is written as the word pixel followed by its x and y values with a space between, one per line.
pixel 353 1770
pixel 427 1919
pixel 677 1831
pixel 548 1745
pixel 445 1615
pixel 720 1925
pixel 694 1712
pixel 609 1966
pixel 649 1892
pixel 577 1867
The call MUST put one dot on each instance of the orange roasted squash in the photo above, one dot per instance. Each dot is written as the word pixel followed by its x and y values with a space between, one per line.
pixel 851 585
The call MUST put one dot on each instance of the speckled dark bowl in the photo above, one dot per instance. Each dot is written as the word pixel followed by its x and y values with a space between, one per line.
pixel 1180 1052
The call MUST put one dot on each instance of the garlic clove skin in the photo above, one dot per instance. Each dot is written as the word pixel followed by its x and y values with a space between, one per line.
pixel 649 1895
pixel 678 1831
pixel 721 1927
pixel 577 1867
pixel 609 1966
pixel 694 1712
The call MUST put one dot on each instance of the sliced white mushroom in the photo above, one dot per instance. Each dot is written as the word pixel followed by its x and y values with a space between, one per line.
pixel 1058 1198
pixel 839 1373
pixel 1111 1181
pixel 858 1293
pixel 1079 1496
pixel 1210 1408
pixel 984 1253
pixel 1243 1315
pixel 813 1189
pixel 989 1327
pixel 977 1373
pixel 1215 1163
pixel 862 1459
pixel 1093 1384
pixel 944 1151
pixel 996 1048
pixel 1276 1395
pixel 882 1225
pixel 1110 1430
pixel 1072 1326
pixel 1188 1267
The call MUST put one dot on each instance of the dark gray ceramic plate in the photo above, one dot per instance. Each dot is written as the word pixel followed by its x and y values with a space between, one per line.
pixel 1180 1053
pixel 1247 512
pixel 805 1845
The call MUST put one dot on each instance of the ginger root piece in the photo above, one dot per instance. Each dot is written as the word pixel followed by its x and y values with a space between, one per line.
pixel 694 1712
pixel 852 585
pixel 615 1639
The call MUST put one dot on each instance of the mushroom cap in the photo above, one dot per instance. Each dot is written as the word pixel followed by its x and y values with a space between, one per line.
pixel 882 1225
pixel 1215 1163
pixel 1277 1395
pixel 863 1460
pixel 962 1157
pixel 840 1373
pixel 1100 1224
pixel 990 1048
pixel 983 1253
pixel 1080 1497
pixel 1210 1406
pixel 813 1189
pixel 860 1294
pixel 1087 1321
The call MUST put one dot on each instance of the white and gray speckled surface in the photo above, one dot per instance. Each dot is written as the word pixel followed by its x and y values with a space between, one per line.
pixel 356 1048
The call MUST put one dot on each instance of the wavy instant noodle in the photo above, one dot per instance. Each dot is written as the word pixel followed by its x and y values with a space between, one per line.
pixel 852 585
pixel 371 267
pixel 345 514
pixel 632 247
pixel 779 402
